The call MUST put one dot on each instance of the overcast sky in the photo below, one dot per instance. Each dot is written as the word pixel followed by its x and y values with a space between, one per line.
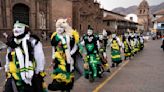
pixel 110 4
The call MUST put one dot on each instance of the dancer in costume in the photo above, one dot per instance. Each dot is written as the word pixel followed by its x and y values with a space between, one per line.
pixel 141 39
pixel 24 61
pixel 115 50
pixel 136 43
pixel 103 39
pixel 131 40
pixel 91 58
pixel 127 48
pixel 64 46
pixel 162 46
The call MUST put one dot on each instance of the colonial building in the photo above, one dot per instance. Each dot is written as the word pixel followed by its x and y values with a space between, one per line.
pixel 41 15
pixel 86 14
pixel 112 20
pixel 158 21
pixel 116 22
pixel 143 14
pixel 38 14
pixel 134 18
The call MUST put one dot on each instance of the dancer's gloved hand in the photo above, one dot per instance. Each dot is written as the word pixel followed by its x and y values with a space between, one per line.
pixel 27 81
pixel 86 66
pixel 43 74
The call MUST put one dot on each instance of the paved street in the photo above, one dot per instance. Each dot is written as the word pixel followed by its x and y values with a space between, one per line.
pixel 144 73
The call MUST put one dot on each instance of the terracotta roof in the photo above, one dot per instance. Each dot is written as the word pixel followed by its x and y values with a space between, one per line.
pixel 160 12
pixel 116 18
pixel 132 22
pixel 161 19
pixel 114 13
pixel 109 17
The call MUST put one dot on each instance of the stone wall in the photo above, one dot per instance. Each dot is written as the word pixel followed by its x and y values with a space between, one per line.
pixel 60 9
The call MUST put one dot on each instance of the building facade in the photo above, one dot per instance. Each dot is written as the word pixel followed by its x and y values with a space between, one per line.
pixel 158 21
pixel 40 15
pixel 132 17
pixel 86 14
pixel 117 23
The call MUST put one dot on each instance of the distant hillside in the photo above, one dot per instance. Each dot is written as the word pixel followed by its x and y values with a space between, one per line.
pixel 133 9
pixel 156 8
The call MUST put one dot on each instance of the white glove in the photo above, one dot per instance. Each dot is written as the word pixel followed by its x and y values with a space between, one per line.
pixel 28 81
pixel 71 62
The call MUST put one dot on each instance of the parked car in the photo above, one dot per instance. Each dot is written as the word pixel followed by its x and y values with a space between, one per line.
pixel 147 36
pixel 154 35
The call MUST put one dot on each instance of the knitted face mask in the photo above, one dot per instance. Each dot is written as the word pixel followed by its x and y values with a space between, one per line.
pixel 104 33
pixel 59 30
pixel 126 35
pixel 101 37
pixel 113 35
pixel 89 32
pixel 18 29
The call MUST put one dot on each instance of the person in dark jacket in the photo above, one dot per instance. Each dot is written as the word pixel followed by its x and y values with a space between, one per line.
pixel 162 46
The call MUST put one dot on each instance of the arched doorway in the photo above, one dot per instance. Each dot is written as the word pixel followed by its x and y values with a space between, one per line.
pixel 21 13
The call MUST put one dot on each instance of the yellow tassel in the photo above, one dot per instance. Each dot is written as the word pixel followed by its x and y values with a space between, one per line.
pixel 43 74
pixel 76 35
pixel 16 77
pixel 62 67
pixel 12 67
pixel 61 78
pixel 53 35
pixel 61 57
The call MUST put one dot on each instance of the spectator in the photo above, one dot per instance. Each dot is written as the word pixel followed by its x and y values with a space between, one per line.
pixel 44 35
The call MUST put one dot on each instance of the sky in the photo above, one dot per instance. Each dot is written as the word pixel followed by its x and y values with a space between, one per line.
pixel 111 4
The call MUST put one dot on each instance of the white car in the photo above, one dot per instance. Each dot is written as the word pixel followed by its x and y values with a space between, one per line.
pixel 147 36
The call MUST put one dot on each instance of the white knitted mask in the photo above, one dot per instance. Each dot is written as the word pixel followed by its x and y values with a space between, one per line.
pixel 19 29
pixel 113 35
pixel 60 30
pixel 90 32
pixel 104 33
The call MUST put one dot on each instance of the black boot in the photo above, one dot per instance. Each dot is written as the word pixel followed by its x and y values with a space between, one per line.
pixel 108 70
pixel 113 65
